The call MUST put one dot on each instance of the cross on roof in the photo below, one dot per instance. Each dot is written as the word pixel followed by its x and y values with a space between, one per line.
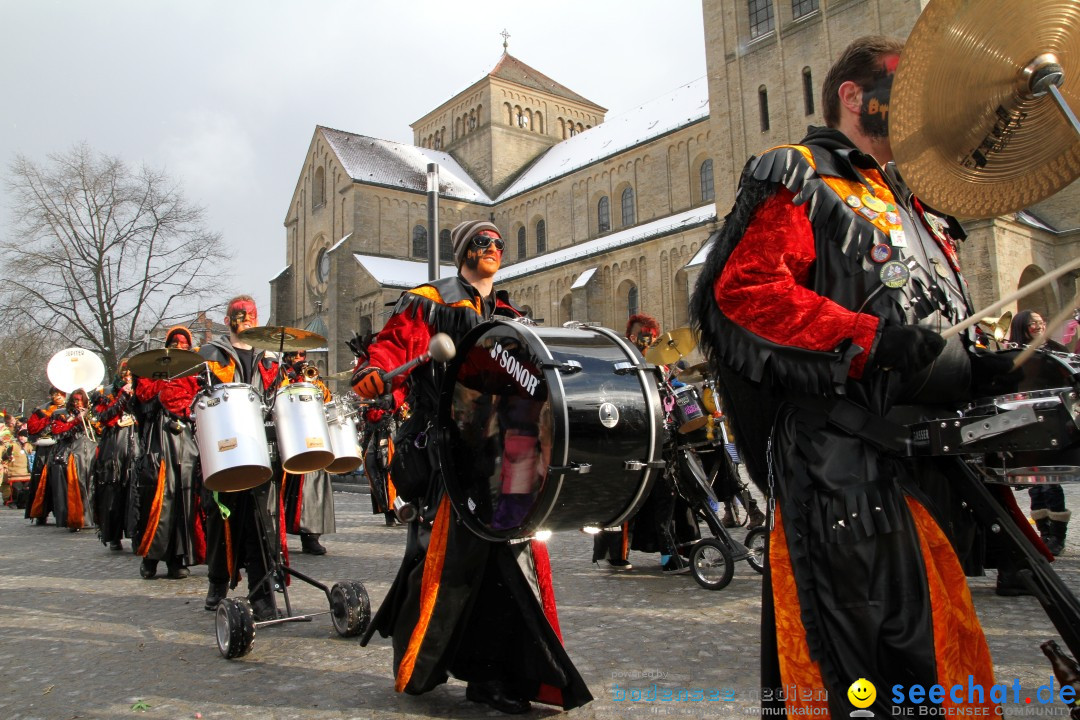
pixel 505 37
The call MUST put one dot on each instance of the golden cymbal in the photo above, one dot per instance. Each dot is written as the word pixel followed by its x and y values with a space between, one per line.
pixel 671 346
pixel 164 363
pixel 694 373
pixel 279 337
pixel 968 135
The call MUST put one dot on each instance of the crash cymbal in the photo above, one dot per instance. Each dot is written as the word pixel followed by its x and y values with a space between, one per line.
pixel 671 346
pixel 279 337
pixel 968 134
pixel 164 363
pixel 694 373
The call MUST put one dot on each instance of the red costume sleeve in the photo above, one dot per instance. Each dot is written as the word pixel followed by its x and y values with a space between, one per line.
pixel 763 286
pixel 177 395
pixel 147 390
pixel 405 337
pixel 37 422
pixel 61 425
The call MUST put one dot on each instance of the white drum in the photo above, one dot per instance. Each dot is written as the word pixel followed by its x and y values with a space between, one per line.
pixel 343 438
pixel 231 436
pixel 302 435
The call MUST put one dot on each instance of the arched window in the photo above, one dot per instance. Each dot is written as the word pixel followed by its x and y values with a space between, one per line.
pixel 446 248
pixel 603 215
pixel 628 207
pixel 763 107
pixel 472 119
pixel 318 188
pixel 541 237
pixel 522 247
pixel 707 189
pixel 633 306
pixel 808 91
pixel 419 242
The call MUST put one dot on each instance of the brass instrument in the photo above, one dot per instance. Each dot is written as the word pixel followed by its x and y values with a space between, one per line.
pixel 310 373
pixel 74 369
pixel 998 327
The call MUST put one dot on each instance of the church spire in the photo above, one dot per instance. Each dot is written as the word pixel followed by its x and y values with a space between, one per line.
pixel 506 38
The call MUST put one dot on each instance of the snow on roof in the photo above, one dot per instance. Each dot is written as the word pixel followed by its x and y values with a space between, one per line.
pixel 583 279
pixel 662 226
pixel 702 253
pixel 393 272
pixel 369 159
pixel 674 110
pixel 339 243
pixel 283 271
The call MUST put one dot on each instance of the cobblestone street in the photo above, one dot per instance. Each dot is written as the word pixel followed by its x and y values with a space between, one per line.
pixel 83 636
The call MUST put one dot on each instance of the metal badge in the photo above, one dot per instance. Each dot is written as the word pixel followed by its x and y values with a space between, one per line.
pixel 609 415
pixel 939 267
pixel 892 217
pixel 853 201
pixel 868 213
pixel 880 253
pixel 894 274
pixel 897 238
pixel 873 203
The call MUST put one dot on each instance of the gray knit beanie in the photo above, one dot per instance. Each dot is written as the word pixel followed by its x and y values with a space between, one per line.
pixel 463 233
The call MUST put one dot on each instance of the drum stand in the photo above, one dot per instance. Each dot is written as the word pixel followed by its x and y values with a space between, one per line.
pixel 235 624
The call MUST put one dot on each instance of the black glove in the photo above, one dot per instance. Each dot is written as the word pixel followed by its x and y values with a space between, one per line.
pixel 907 348
pixel 993 374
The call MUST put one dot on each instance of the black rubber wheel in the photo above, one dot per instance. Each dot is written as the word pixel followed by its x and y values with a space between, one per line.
pixel 755 542
pixel 711 564
pixel 234 626
pixel 350 608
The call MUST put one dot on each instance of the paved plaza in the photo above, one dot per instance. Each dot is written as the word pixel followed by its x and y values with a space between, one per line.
pixel 83 636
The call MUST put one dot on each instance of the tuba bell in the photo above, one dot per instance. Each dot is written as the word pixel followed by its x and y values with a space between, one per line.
pixel 74 369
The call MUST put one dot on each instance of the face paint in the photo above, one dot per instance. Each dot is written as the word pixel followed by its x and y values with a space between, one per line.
pixel 874 113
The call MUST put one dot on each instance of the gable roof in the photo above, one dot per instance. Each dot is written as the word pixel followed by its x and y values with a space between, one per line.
pixel 511 69
pixel 384 162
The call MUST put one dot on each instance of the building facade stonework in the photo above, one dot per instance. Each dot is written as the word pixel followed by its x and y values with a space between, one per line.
pixel 602 216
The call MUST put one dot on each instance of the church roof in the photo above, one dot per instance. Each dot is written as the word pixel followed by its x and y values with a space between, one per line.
pixel 674 110
pixel 511 69
pixel 384 162
pixel 394 272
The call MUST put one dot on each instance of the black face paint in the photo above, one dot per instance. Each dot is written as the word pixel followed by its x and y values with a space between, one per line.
pixel 236 318
pixel 874 113
pixel 472 259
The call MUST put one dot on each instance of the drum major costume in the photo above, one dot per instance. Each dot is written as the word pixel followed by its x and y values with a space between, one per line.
pixel 39 504
pixel 806 306
pixel 68 471
pixel 481 611
pixel 115 460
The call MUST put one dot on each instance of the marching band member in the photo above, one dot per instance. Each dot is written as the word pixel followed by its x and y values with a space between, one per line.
pixel 309 497
pixel 168 522
pixel 232 538
pixel 481 611
pixel 69 465
pixel 37 425
pixel 115 460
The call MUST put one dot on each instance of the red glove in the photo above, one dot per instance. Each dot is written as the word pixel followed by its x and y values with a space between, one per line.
pixel 374 415
pixel 368 383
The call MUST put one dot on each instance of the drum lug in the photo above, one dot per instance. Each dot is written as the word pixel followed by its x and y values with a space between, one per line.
pixel 579 468
pixel 569 367
pixel 625 368
pixel 636 465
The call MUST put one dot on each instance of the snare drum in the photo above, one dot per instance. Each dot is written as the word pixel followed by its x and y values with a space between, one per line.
pixel 231 436
pixel 302 434
pixel 344 438
pixel 547 429
pixel 1047 378
pixel 689 412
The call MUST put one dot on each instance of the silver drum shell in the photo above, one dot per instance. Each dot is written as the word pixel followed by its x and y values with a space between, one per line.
pixel 231 436
pixel 302 435
pixel 343 438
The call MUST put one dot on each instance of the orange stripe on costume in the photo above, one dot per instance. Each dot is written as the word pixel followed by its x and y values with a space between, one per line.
pixel 37 508
pixel 429 591
pixel 74 494
pixel 155 512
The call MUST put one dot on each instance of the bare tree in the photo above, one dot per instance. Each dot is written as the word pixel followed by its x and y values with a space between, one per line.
pixel 99 254
pixel 23 356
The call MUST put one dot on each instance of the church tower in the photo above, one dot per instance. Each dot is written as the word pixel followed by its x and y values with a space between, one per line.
pixel 502 122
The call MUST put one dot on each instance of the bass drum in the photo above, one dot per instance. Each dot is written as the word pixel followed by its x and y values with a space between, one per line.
pixel 547 429
pixel 1046 378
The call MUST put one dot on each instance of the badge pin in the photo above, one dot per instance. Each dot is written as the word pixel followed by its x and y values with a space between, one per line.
pixel 894 274
pixel 892 217
pixel 852 201
pixel 868 213
pixel 873 203
pixel 897 238
pixel 880 253
pixel 940 268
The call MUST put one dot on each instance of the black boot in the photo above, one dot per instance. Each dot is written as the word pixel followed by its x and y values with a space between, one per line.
pixel 215 594
pixel 309 543
pixel 263 607
pixel 757 518
pixel 1009 584
pixel 494 694
pixel 116 546
pixel 1059 527
pixel 177 571
pixel 147 568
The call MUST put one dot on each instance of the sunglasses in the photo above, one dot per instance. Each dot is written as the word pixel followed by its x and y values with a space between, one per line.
pixel 482 241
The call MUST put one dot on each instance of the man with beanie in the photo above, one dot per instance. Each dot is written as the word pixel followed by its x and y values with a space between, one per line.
pixel 460 605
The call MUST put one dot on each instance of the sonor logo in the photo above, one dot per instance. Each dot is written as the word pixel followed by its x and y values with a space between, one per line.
pixel 227 444
pixel 315 442
pixel 515 369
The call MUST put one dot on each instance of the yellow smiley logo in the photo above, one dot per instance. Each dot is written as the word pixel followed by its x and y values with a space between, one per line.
pixel 862 693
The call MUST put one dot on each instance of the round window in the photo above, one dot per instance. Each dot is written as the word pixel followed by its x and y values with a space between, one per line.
pixel 323 266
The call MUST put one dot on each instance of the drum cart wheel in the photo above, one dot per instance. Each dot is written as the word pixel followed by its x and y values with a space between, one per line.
pixel 350 608
pixel 711 564
pixel 234 626
pixel 755 542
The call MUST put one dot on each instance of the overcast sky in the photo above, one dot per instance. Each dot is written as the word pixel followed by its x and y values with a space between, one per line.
pixel 225 95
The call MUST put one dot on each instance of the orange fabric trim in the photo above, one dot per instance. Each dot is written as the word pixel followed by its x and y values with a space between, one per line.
pixel 960 647
pixel 37 508
pixel 796 665
pixel 426 291
pixel 74 494
pixel 224 373
pixel 230 561
pixel 429 592
pixel 624 546
pixel 155 512
pixel 391 491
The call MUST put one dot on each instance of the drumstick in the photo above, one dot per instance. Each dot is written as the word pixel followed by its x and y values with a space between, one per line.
pixel 1052 327
pixel 1021 292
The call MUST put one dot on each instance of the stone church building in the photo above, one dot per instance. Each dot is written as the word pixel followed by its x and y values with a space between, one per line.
pixel 602 217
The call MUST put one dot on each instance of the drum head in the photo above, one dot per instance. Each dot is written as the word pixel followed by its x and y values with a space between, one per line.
pixel 243 477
